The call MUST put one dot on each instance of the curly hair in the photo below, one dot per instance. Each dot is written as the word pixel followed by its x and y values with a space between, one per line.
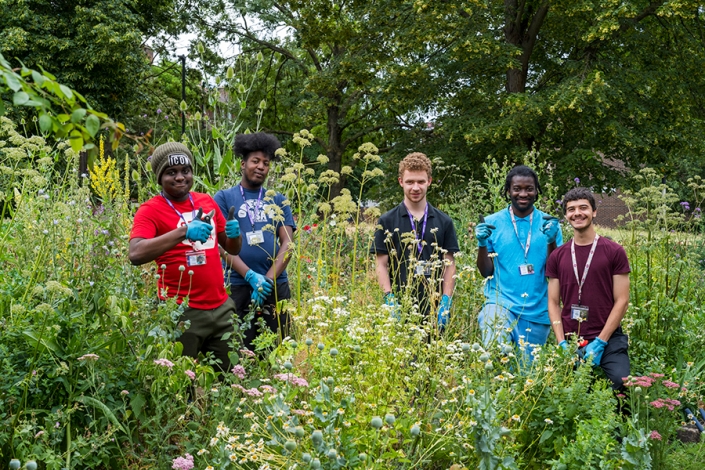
pixel 416 161
pixel 576 194
pixel 245 144
pixel 520 170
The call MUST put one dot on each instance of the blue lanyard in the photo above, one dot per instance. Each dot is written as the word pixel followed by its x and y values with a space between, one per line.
pixel 423 227
pixel 193 207
pixel 252 216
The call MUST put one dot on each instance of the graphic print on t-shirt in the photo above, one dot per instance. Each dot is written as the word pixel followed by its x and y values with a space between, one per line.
pixel 259 214
pixel 210 243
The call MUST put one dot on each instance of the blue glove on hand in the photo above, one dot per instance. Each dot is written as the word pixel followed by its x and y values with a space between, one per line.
pixel 444 311
pixel 595 349
pixel 198 231
pixel 482 233
pixel 260 285
pixel 257 298
pixel 232 229
pixel 563 344
pixel 550 228
pixel 391 302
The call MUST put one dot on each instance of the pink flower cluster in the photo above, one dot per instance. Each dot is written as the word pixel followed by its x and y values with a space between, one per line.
pixel 268 389
pixel 247 353
pixel 643 381
pixel 191 374
pixel 164 363
pixel 183 463
pixel 89 357
pixel 253 392
pixel 665 402
pixel 669 384
pixel 655 435
pixel 292 379
pixel 239 371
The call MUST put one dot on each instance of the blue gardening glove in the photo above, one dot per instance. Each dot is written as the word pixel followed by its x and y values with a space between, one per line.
pixel 444 311
pixel 258 298
pixel 232 229
pixel 260 284
pixel 482 233
pixel 391 302
pixel 563 344
pixel 550 228
pixel 198 231
pixel 595 349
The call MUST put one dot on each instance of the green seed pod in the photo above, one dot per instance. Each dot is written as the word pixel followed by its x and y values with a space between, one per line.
pixel 31 465
pixel 389 419
pixel 321 346
pixel 309 341
pixel 230 73
pixel 362 456
pixel 288 365
pixel 183 106
pixel 333 352
pixel 465 347
pixel 376 422
pixel 317 437
pixel 332 454
pixel 299 431
pixel 306 457
pixel 290 446
pixel 201 48
pixel 357 349
pixel 485 357
pixel 330 381
pixel 415 430
pixel 14 464
pixel 316 464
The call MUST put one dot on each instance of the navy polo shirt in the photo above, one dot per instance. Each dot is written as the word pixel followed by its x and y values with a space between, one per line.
pixel 439 234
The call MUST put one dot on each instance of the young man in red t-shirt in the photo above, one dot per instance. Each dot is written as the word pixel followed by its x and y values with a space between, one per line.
pixel 590 274
pixel 167 230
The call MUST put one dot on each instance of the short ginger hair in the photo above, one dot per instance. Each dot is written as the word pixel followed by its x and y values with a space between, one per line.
pixel 415 161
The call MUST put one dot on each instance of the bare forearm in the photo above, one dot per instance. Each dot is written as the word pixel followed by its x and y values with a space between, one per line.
pixel 382 271
pixel 234 262
pixel 449 275
pixel 145 250
pixel 614 320
pixel 280 262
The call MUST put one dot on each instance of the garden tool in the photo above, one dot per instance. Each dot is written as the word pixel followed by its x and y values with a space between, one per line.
pixel 695 418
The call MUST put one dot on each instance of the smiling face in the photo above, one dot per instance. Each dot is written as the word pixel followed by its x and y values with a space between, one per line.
pixel 255 169
pixel 522 194
pixel 177 181
pixel 579 214
pixel 415 185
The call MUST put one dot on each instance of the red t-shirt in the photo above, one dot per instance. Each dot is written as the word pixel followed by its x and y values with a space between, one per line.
pixel 609 259
pixel 205 289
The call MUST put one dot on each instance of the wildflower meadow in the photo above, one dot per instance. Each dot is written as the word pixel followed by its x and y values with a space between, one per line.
pixel 92 376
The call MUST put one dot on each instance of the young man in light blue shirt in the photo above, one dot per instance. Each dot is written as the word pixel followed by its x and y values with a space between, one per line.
pixel 514 245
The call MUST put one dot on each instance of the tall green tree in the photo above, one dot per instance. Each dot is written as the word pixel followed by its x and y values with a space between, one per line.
pixel 94 46
pixel 338 68
pixel 592 84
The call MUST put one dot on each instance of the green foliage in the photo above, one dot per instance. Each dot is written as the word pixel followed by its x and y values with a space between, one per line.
pixel 96 46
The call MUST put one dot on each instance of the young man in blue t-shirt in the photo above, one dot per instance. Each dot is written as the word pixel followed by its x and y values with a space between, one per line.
pixel 513 246
pixel 257 275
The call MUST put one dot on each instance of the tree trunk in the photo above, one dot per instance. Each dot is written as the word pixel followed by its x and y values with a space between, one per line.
pixel 334 150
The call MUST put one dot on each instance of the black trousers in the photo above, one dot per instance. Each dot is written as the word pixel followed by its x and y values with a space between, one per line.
pixel 273 319
pixel 615 359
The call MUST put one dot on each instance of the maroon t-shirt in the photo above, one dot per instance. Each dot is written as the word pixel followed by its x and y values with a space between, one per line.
pixel 609 259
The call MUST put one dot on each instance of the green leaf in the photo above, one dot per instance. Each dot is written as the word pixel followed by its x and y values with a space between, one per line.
pixel 102 407
pixel 38 77
pixel 226 163
pixel 63 118
pixel 20 98
pixel 45 123
pixel 137 402
pixel 34 339
pixel 66 91
pixel 92 125
pixel 76 141
pixel 78 115
pixel 12 81
pixel 2 107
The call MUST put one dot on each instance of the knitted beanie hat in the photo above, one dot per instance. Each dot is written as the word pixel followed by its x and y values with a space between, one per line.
pixel 170 154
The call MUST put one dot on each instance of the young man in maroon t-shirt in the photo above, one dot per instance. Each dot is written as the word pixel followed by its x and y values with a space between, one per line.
pixel 590 275
pixel 167 230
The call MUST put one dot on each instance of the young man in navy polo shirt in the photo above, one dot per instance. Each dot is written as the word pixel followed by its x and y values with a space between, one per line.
pixel 513 246
pixel 414 246
pixel 257 276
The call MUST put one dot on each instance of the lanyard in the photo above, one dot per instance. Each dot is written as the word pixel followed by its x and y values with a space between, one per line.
pixel 587 265
pixel 423 227
pixel 516 231
pixel 193 207
pixel 252 216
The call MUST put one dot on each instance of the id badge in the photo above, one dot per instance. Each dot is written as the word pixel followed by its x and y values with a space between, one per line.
pixel 423 268
pixel 255 238
pixel 579 312
pixel 195 258
pixel 526 269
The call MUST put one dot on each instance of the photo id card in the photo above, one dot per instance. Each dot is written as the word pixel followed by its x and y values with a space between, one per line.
pixel 526 269
pixel 579 312
pixel 255 238
pixel 195 258
pixel 423 268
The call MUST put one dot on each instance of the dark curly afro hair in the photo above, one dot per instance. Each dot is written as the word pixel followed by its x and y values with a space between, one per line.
pixel 245 144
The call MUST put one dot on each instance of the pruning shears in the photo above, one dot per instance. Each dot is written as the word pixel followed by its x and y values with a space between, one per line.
pixel 207 218
pixel 482 221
